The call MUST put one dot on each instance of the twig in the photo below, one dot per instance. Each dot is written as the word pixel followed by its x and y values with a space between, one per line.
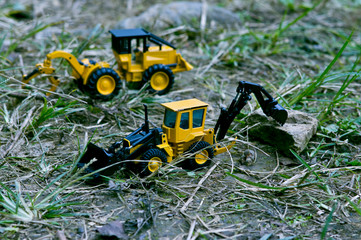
pixel 18 133
pixel 250 145
pixel 203 16
pixel 85 230
pixel 190 199
pixel 43 90
pixel 209 229
pixel 129 5
pixel 18 95
pixel 274 170
pixel 216 58
pixel 191 230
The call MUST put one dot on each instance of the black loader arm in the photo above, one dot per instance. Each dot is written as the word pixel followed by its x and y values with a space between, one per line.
pixel 268 104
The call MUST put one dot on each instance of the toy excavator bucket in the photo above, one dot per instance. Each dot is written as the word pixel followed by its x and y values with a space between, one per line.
pixel 276 111
pixel 103 157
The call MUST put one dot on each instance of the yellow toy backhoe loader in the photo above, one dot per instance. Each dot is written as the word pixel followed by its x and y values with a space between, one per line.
pixel 182 132
pixel 138 63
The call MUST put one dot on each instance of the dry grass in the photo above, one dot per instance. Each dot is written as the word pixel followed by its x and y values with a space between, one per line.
pixel 316 197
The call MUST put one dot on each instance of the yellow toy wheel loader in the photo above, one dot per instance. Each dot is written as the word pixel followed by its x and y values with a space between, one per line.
pixel 138 63
pixel 182 132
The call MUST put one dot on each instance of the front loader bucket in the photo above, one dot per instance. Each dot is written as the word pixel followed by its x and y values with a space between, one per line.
pixel 182 65
pixel 186 64
pixel 104 159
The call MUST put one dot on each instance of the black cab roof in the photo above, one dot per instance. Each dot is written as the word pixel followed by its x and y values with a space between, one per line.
pixel 129 33
pixel 119 37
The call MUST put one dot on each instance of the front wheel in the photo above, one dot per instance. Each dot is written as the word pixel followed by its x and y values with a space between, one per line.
pixel 160 78
pixel 103 83
pixel 154 160
pixel 201 152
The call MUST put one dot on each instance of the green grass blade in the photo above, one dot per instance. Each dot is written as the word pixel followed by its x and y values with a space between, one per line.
pixel 339 96
pixel 304 14
pixel 95 33
pixel 354 206
pixel 60 108
pixel 50 184
pixel 260 185
pixel 281 29
pixel 319 81
pixel 305 164
pixel 36 30
pixel 327 223
pixel 8 190
pixel 2 42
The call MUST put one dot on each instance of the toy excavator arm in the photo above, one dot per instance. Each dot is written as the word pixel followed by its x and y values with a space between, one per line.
pixel 269 106
pixel 47 68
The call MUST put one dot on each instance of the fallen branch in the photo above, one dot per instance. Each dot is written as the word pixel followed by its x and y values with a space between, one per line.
pixel 190 199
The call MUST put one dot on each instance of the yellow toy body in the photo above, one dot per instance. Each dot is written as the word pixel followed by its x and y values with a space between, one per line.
pixel 137 63
pixel 182 132
pixel 183 125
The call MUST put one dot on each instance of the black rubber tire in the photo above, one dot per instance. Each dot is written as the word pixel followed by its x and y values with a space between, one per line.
pixel 148 155
pixel 91 86
pixel 191 163
pixel 147 76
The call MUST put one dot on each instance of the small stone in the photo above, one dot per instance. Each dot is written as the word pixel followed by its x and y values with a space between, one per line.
pixel 249 157
pixel 113 229
pixel 60 235
pixel 81 229
pixel 294 134
pixel 174 14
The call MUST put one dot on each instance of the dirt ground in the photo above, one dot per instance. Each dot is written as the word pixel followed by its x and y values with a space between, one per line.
pixel 278 197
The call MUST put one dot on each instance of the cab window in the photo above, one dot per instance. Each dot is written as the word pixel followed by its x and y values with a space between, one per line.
pixel 198 118
pixel 184 122
pixel 169 118
pixel 123 46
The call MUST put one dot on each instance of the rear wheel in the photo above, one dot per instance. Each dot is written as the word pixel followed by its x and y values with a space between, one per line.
pixel 201 152
pixel 103 83
pixel 155 158
pixel 160 78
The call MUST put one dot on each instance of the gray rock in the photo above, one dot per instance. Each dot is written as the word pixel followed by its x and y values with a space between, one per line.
pixel 113 230
pixel 174 14
pixel 294 134
pixel 248 157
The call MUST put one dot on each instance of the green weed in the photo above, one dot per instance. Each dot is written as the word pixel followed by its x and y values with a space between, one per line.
pixel 354 206
pixel 298 220
pixel 327 223
pixel 38 28
pixel 316 84
pixel 49 202
pixel 60 108
pixel 93 36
